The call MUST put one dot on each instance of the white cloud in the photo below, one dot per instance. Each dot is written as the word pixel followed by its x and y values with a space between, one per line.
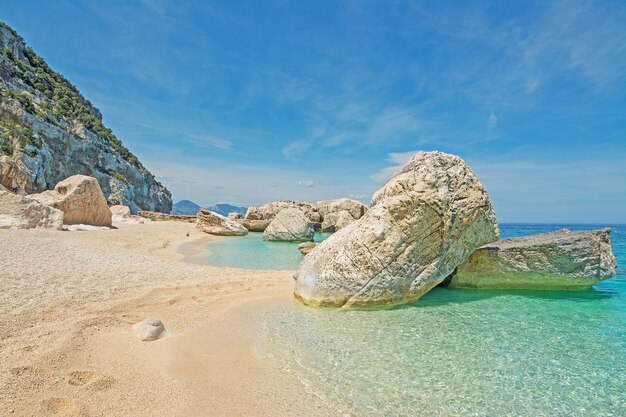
pixel 306 183
pixel 398 159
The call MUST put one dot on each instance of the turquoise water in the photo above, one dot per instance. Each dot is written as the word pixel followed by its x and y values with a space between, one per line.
pixel 465 352
pixel 252 252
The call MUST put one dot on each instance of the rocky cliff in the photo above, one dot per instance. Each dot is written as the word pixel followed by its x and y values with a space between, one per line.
pixel 49 131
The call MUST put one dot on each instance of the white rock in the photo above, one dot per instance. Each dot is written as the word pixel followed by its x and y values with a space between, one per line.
pixel 20 212
pixel 306 247
pixel 216 224
pixel 149 329
pixel 335 221
pixel 120 211
pixel 80 199
pixel 354 207
pixel 289 225
pixel 429 217
pixel 546 261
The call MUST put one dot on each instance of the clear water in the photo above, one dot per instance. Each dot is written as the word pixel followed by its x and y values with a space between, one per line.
pixel 252 252
pixel 465 352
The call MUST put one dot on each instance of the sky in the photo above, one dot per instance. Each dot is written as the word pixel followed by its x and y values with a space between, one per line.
pixel 253 101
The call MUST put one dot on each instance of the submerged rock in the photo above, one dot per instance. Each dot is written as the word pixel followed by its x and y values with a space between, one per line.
pixel 333 222
pixel 425 221
pixel 149 329
pixel 80 199
pixel 289 225
pixel 354 207
pixel 216 224
pixel 556 260
pixel 306 247
pixel 20 212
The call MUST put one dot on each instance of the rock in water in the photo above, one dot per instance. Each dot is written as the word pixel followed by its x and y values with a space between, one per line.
pixel 556 260
pixel 149 329
pixel 354 207
pixel 80 199
pixel 234 215
pixel 306 247
pixel 19 212
pixel 333 222
pixel 254 225
pixel 216 224
pixel 289 225
pixel 424 222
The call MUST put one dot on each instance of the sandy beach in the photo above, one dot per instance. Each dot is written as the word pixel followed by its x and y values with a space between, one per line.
pixel 68 301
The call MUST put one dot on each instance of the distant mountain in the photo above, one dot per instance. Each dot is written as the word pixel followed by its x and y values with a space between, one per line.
pixel 185 207
pixel 224 209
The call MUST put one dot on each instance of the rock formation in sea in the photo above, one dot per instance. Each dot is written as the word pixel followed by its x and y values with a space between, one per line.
pixel 49 131
pixel 254 225
pixel 289 225
pixel 354 207
pixel 425 221
pixel 335 221
pixel 270 210
pixel 216 224
pixel 21 212
pixel 80 199
pixel 556 260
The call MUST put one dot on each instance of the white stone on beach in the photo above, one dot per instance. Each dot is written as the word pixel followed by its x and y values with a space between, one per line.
pixel 425 221
pixel 80 199
pixel 216 224
pixel 289 225
pixel 20 212
pixel 149 329
pixel 556 260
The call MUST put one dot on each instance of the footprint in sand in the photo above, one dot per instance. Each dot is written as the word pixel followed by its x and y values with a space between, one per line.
pixel 63 407
pixel 90 380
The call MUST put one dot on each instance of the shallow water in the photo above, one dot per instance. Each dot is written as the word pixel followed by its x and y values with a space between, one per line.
pixel 466 352
pixel 252 252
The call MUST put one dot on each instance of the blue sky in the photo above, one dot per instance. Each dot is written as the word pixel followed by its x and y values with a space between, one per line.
pixel 252 101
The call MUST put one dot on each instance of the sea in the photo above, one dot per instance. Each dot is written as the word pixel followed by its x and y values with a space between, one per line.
pixel 454 351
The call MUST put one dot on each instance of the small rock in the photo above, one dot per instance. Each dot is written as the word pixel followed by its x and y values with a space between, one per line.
pixel 306 247
pixel 149 329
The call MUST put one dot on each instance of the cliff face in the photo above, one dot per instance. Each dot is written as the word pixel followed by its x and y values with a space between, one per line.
pixel 49 131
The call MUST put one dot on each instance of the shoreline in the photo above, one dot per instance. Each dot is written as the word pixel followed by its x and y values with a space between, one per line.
pixel 67 304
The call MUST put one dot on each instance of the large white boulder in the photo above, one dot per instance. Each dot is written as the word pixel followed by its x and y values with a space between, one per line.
pixel 290 225
pixel 354 207
pixel 547 261
pixel 429 218
pixel 20 212
pixel 80 199
pixel 216 224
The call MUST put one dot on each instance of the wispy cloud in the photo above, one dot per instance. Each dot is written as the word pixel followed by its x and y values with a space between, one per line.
pixel 398 160
pixel 211 142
